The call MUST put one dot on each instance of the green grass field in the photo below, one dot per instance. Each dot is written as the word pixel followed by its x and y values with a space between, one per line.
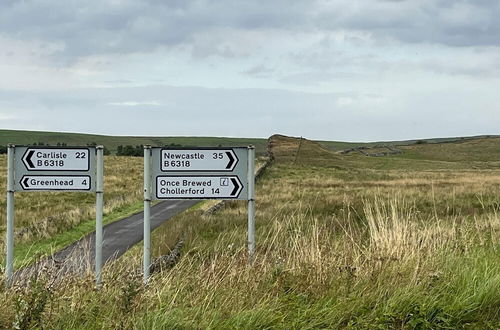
pixel 409 241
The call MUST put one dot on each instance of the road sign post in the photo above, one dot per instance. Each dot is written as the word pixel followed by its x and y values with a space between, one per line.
pixel 99 206
pixel 198 173
pixel 36 168
pixel 9 269
pixel 147 212
pixel 251 204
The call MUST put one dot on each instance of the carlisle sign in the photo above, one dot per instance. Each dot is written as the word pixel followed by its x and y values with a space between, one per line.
pixel 55 169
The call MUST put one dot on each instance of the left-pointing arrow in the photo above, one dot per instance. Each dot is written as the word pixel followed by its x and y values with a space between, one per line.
pixel 28 159
pixel 25 182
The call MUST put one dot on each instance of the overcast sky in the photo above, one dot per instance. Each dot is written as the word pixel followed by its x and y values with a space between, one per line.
pixel 332 70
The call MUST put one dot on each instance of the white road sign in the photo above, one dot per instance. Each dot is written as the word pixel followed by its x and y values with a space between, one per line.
pixel 55 168
pixel 186 160
pixel 56 182
pixel 198 187
pixel 51 159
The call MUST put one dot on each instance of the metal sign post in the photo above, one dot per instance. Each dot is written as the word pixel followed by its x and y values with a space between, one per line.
pixel 251 204
pixel 198 173
pixel 147 211
pixel 99 206
pixel 76 169
pixel 9 269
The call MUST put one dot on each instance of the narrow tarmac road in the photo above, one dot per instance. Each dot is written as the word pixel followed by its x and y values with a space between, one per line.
pixel 118 237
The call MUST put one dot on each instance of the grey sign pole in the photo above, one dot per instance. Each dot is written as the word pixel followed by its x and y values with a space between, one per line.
pixel 147 211
pixel 98 214
pixel 251 204
pixel 9 269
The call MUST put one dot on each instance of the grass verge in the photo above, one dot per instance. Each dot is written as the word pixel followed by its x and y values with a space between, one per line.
pixel 27 253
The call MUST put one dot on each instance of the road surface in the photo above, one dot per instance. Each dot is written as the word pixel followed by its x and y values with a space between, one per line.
pixel 118 237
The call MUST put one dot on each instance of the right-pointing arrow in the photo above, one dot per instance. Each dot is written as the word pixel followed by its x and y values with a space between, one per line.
pixel 28 159
pixel 237 187
pixel 232 159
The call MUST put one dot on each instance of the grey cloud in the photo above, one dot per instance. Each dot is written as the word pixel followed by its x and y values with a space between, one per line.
pixel 98 27
pixel 471 68
pixel 453 23
pixel 101 27
pixel 259 71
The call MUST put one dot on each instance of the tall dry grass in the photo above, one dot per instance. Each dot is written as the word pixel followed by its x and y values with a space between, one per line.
pixel 335 249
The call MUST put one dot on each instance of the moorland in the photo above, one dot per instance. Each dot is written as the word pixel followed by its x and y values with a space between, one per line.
pixel 344 240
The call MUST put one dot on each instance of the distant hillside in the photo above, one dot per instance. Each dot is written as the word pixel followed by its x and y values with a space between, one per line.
pixel 461 153
pixel 112 142
pixel 337 146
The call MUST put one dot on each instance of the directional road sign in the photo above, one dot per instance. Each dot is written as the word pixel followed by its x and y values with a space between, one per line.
pixel 55 168
pixel 198 187
pixel 200 173
pixel 197 160
pixel 50 159
pixel 56 182
pixel 77 169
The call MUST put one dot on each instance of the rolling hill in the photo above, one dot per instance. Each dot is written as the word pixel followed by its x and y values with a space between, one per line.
pixel 112 142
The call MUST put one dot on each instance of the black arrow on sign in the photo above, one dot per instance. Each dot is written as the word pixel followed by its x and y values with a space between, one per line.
pixel 237 187
pixel 232 160
pixel 25 182
pixel 28 159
